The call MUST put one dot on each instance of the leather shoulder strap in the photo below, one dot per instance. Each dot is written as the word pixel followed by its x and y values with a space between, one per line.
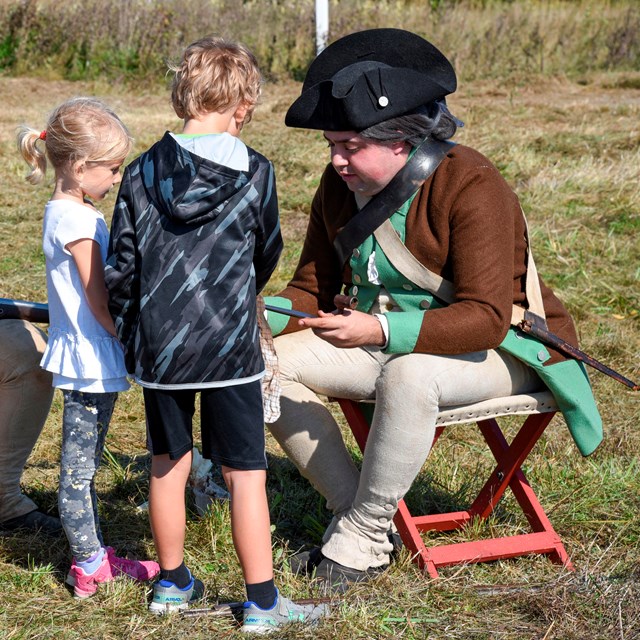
pixel 382 206
pixel 409 266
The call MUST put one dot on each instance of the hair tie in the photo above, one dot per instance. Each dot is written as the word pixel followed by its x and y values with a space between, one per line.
pixel 43 135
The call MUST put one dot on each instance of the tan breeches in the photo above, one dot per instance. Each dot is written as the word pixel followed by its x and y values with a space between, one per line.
pixel 408 389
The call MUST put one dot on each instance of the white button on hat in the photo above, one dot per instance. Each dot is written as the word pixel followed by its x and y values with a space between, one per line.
pixel 383 101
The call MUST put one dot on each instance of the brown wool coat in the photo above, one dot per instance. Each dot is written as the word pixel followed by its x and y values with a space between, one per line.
pixel 466 225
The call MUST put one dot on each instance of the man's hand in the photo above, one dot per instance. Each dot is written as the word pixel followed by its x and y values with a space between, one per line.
pixel 346 329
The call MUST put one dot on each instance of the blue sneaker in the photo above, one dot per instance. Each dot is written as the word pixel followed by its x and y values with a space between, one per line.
pixel 168 598
pixel 283 611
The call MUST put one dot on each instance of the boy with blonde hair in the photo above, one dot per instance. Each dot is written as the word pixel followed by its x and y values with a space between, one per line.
pixel 195 237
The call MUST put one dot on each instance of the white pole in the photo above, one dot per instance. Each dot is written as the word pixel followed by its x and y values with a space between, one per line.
pixel 322 24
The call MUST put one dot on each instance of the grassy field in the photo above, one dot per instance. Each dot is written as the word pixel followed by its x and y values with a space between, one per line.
pixel 571 151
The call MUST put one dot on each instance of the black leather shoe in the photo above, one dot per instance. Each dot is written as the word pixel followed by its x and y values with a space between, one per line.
pixel 33 521
pixel 396 541
pixel 333 577
pixel 305 562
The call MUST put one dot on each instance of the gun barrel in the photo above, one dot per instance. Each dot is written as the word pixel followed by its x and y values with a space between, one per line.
pixel 287 312
pixel 23 310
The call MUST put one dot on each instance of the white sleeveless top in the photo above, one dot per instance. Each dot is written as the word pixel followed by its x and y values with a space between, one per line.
pixel 80 353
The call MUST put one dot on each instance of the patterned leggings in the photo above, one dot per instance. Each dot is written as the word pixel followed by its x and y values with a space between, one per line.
pixel 85 424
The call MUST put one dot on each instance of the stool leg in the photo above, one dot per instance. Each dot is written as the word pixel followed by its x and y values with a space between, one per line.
pixel 403 519
pixel 412 539
pixel 509 458
pixel 507 473
pixel 509 469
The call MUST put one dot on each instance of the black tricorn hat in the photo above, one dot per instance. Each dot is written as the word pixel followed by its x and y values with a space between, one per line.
pixel 368 77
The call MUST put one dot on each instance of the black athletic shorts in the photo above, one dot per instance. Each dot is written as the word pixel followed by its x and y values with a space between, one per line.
pixel 232 424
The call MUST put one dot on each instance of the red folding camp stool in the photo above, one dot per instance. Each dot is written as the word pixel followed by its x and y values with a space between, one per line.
pixel 538 408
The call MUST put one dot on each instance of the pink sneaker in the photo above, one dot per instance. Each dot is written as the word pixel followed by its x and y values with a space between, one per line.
pixel 136 569
pixel 85 585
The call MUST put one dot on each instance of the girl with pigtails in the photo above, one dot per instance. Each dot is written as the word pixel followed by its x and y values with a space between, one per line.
pixel 86 144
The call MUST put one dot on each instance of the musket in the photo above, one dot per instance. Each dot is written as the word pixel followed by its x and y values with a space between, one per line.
pixel 39 312
pixel 22 310
pixel 536 326
pixel 532 324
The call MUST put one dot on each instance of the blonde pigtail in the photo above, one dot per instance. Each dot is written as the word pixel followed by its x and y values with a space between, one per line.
pixel 82 128
pixel 33 155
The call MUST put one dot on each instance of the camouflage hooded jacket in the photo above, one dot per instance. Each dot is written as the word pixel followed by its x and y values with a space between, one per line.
pixel 192 243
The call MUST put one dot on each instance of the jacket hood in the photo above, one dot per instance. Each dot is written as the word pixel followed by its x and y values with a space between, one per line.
pixel 185 187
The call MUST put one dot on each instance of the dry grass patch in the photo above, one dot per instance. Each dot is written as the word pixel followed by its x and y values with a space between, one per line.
pixel 570 150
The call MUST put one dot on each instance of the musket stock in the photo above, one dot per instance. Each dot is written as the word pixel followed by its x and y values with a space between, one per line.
pixel 530 326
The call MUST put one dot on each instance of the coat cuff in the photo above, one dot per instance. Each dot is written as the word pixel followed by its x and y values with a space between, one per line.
pixel 277 321
pixel 404 329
